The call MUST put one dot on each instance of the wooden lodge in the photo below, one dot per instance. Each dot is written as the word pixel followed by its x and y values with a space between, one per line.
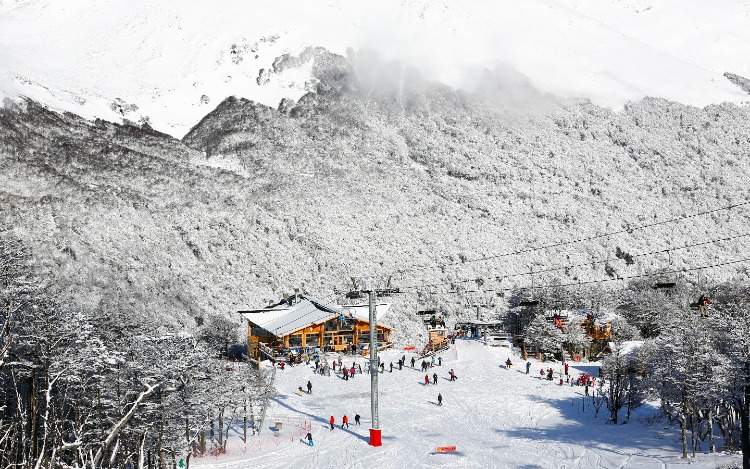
pixel 302 322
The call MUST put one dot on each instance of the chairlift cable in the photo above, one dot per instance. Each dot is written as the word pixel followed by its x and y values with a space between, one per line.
pixel 589 282
pixel 570 266
pixel 629 229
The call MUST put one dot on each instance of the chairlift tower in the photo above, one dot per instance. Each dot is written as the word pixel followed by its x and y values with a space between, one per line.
pixel 375 435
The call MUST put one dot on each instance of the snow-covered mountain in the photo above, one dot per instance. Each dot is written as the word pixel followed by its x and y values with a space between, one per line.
pixel 169 62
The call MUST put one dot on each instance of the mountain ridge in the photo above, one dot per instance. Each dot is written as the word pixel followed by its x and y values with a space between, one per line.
pixel 362 181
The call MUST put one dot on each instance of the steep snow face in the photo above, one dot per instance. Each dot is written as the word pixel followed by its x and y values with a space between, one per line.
pixel 168 62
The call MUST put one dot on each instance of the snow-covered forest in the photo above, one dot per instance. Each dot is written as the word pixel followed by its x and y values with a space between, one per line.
pixel 125 252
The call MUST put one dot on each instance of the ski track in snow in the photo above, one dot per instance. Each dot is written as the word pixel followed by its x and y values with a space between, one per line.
pixel 496 418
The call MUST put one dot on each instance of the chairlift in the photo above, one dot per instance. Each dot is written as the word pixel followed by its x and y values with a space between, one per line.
pixel 665 283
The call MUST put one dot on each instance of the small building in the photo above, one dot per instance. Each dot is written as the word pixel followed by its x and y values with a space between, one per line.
pixel 304 322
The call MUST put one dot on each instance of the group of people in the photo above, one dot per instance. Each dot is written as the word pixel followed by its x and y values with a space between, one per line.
pixel 434 321
pixel 344 421
pixel 332 421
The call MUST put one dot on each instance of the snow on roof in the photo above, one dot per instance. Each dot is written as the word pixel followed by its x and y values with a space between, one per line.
pixel 362 310
pixel 283 318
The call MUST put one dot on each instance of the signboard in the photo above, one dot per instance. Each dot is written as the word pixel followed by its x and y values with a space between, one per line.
pixel 446 449
pixel 410 347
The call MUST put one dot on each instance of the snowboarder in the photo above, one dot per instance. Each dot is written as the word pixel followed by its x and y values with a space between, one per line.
pixel 440 361
pixel 426 380
pixel 332 421
pixel 508 364
pixel 528 367
pixel 434 378
pixel 309 439
pixel 412 362
pixel 309 387
pixel 440 399
pixel 356 419
pixel 345 421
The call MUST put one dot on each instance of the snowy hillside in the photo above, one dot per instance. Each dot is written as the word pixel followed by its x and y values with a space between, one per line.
pixel 496 418
pixel 169 62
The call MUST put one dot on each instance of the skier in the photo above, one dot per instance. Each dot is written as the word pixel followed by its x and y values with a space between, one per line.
pixel 382 368
pixel 334 366
pixel 426 380
pixel 403 358
pixel 356 419
pixel 434 378
pixel 345 421
pixel 440 361
pixel 391 370
pixel 412 362
pixel 508 364
pixel 528 367
pixel 346 374
pixel 332 421
pixel 566 369
pixel 453 375
pixel 586 389
pixel 309 387
pixel 440 399
pixel 400 364
pixel 309 439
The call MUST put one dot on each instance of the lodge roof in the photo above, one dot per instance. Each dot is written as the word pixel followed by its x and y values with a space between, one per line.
pixel 290 316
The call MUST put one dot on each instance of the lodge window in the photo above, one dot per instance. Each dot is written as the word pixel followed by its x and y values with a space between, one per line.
pixel 295 340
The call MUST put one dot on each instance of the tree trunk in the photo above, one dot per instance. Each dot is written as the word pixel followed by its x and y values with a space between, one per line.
pixel 710 418
pixel 692 431
pixel 683 434
pixel 745 420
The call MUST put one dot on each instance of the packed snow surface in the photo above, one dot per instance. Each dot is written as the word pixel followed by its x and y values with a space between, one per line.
pixel 169 62
pixel 495 417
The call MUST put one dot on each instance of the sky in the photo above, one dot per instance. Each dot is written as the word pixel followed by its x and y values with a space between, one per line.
pixel 176 60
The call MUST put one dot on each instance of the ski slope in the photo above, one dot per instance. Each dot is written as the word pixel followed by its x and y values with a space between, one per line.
pixel 170 62
pixel 496 418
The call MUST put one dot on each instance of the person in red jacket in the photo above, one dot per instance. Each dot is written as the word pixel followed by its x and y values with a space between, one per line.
pixel 426 380
pixel 332 422
pixel 345 422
